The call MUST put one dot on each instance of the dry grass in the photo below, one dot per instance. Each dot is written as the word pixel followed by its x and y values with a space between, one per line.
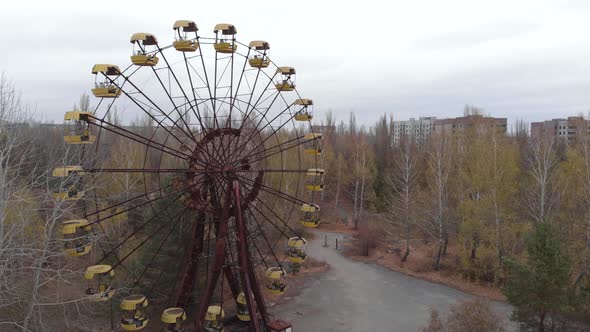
pixel 466 316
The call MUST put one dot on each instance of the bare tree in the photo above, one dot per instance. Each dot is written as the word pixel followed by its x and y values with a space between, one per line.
pixel 33 272
pixel 541 196
pixel 404 182
pixel 439 162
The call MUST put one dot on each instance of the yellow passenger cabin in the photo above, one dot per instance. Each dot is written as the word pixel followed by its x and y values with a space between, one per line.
pixel 225 41
pixel 311 215
pixel 78 128
pixel 296 250
pixel 184 42
pixel 142 42
pixel 242 308
pixel 286 80
pixel 85 137
pixel 274 280
pixel 314 179
pixel 134 317
pixel 313 144
pixel 76 237
pixel 100 279
pixel 304 113
pixel 260 58
pixel 214 318
pixel 173 317
pixel 66 171
pixel 105 77
pixel 71 194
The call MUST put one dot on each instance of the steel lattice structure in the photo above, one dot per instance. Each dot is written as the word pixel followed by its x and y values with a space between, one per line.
pixel 229 158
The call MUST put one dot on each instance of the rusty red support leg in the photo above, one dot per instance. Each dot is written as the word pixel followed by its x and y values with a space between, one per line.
pixel 217 263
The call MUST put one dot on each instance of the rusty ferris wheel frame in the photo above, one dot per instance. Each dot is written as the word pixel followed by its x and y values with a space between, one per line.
pixel 226 124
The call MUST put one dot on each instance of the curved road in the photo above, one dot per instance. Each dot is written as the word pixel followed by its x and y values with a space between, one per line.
pixel 357 296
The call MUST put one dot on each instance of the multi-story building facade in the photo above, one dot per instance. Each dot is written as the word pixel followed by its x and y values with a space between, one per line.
pixel 422 129
pixel 477 122
pixel 569 129
pixel 419 130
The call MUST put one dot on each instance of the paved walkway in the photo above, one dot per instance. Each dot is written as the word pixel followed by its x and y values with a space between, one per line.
pixel 357 296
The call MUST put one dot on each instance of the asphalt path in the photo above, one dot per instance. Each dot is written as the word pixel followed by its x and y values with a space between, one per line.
pixel 358 296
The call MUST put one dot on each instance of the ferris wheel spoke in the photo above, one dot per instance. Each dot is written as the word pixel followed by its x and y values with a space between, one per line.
pixel 282 147
pixel 257 130
pixel 99 220
pixel 149 114
pixel 181 116
pixel 141 227
pixel 152 235
pixel 139 139
pixel 233 98
pixel 270 221
pixel 270 247
pixel 207 77
pixel 157 252
pixel 146 194
pixel 181 89
pixel 190 79
pixel 251 107
pixel 271 170
pixel 272 191
pixel 149 170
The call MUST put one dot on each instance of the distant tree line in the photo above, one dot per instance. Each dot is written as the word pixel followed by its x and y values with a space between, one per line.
pixel 516 209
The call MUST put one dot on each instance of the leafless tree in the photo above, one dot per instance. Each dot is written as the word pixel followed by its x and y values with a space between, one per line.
pixel 440 165
pixel 541 196
pixel 404 182
pixel 34 276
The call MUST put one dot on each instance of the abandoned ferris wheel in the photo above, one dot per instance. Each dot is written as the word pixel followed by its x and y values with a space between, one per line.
pixel 230 158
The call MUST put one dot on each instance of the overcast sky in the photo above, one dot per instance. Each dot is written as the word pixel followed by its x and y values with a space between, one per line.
pixel 518 59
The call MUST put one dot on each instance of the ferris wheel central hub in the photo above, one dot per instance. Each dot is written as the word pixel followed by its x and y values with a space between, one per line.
pixel 227 169
pixel 227 154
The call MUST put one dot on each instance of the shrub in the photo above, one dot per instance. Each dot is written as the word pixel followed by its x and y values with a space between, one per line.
pixel 466 316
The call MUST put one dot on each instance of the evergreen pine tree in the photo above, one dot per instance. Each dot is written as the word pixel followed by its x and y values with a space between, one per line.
pixel 538 289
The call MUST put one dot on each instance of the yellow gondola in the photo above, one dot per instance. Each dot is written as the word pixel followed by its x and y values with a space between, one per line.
pixel 213 319
pixel 65 171
pixel 143 57
pixel 313 144
pixel 242 308
pixel 287 79
pixel 315 179
pixel 182 41
pixel 259 60
pixel 76 237
pixel 78 129
pixel 100 290
pixel 225 43
pixel 304 114
pixel 311 215
pixel 274 280
pixel 134 315
pixel 72 194
pixel 173 317
pixel 296 248
pixel 106 88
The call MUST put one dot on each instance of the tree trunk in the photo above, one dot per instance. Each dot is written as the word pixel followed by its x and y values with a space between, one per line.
pixel 337 187
pixel 438 255
pixel 407 253
pixel 541 322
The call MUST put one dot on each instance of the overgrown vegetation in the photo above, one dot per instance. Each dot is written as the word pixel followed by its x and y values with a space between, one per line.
pixel 468 197
pixel 466 316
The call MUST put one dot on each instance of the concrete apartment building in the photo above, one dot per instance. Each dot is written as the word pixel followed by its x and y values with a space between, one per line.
pixel 569 129
pixel 422 129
